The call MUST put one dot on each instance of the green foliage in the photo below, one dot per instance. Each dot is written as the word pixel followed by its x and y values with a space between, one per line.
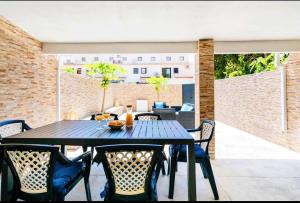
pixel 69 69
pixel 158 83
pixel 108 71
pixel 232 65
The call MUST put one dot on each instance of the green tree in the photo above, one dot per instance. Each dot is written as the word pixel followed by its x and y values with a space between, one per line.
pixel 158 83
pixel 69 69
pixel 232 65
pixel 109 73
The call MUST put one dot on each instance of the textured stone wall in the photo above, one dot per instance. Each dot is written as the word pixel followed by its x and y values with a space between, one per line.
pixel 205 84
pixel 129 93
pixel 27 78
pixel 292 136
pixel 81 95
pixel 251 103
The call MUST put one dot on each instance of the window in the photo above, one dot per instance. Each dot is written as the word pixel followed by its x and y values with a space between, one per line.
pixel 68 61
pixel 144 71
pixel 124 58
pixel 166 72
pixel 140 58
pixel 153 58
pixel 168 58
pixel 176 70
pixel 83 59
pixel 181 58
pixel 96 58
pixel 135 71
pixel 111 58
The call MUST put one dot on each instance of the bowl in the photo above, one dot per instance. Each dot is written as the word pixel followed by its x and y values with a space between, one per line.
pixel 115 125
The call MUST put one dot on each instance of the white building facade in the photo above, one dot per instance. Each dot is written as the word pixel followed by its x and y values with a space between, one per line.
pixel 178 68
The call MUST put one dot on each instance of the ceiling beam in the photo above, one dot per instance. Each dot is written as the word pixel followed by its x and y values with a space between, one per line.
pixel 221 47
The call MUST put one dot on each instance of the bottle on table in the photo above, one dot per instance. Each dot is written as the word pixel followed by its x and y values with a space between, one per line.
pixel 129 117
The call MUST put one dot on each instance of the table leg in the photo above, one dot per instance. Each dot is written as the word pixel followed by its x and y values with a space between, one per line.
pixel 192 196
pixel 6 183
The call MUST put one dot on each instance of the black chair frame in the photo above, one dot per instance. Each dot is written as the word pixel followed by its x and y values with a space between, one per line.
pixel 204 162
pixel 136 117
pixel 155 167
pixel 56 155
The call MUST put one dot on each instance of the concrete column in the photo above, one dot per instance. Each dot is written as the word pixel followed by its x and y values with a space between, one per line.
pixel 205 84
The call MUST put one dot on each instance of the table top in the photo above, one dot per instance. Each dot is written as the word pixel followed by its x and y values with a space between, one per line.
pixel 87 133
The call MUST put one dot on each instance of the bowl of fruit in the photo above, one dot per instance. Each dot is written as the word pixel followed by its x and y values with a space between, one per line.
pixel 116 124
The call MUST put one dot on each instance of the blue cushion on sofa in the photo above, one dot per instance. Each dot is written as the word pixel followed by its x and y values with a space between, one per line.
pixel 187 107
pixel 65 175
pixel 159 105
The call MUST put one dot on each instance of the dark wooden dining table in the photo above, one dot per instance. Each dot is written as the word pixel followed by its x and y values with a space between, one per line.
pixel 87 133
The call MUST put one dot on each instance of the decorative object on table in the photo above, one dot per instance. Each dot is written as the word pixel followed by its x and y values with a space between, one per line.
pixel 112 116
pixel 129 117
pixel 103 117
pixel 158 83
pixel 178 153
pixel 131 171
pixel 108 72
pixel 41 173
pixel 116 125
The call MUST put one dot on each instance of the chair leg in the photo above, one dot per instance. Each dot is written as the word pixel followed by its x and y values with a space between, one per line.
pixel 163 170
pixel 210 174
pixel 169 165
pixel 87 189
pixel 203 171
pixel 63 149
pixel 92 152
pixel 172 177
pixel 84 148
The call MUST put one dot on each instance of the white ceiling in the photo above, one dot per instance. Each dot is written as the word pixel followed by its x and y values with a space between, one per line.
pixel 155 21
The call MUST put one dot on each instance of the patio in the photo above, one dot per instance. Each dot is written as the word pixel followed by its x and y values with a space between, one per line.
pixel 41 103
pixel 270 175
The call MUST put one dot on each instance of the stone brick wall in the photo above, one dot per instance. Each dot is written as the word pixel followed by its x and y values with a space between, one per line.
pixel 292 138
pixel 129 93
pixel 251 103
pixel 27 78
pixel 81 95
pixel 205 84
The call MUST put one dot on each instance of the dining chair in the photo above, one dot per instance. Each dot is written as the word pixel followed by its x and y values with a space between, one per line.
pixel 43 173
pixel 93 117
pixel 178 153
pixel 12 127
pixel 131 171
pixel 150 117
pixel 147 117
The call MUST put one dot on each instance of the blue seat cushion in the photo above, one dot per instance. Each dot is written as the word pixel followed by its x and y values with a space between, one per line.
pixel 187 107
pixel 159 105
pixel 199 152
pixel 64 175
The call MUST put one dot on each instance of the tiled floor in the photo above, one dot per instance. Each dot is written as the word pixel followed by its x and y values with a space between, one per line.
pixel 247 169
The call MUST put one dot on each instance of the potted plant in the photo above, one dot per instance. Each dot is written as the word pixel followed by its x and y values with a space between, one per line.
pixel 158 83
